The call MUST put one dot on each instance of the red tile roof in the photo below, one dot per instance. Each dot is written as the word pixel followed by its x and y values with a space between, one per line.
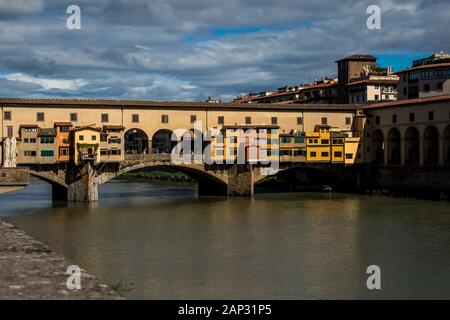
pixel 63 124
pixel 426 66
pixel 320 85
pixel 373 82
pixel 409 102
pixel 73 103
pixel 113 127
pixel 360 57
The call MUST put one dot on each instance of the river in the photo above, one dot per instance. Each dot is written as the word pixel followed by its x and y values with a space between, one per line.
pixel 167 243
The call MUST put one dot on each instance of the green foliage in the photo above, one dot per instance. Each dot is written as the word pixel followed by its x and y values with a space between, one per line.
pixel 160 175
pixel 377 69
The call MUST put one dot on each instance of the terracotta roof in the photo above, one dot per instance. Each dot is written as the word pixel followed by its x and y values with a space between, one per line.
pixel 321 85
pixel 63 124
pixel 409 102
pixel 86 128
pixel 173 104
pixel 426 66
pixel 276 94
pixel 308 87
pixel 47 132
pixel 368 81
pixel 360 57
pixel 29 126
pixel 113 127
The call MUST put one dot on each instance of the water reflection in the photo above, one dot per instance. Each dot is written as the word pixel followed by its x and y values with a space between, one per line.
pixel 173 244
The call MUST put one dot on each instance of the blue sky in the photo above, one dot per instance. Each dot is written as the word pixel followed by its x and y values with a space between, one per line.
pixel 399 61
pixel 193 49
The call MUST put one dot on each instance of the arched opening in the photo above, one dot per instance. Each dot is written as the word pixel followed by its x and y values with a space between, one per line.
pixel 378 147
pixel 136 142
pixel 412 147
pixel 181 177
pixel 431 146
pixel 447 145
pixel 394 147
pixel 59 189
pixel 162 142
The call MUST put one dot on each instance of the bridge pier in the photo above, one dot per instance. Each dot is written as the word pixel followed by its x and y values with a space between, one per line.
pixel 82 187
pixel 241 181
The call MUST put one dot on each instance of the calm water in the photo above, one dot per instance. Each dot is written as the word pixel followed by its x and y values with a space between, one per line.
pixel 173 245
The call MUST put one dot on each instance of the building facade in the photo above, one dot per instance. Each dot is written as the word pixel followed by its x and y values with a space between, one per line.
pixel 412 132
pixel 426 78
pixel 373 89
pixel 350 68
pixel 147 127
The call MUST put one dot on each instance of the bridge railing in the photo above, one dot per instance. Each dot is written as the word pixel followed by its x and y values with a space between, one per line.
pixel 148 157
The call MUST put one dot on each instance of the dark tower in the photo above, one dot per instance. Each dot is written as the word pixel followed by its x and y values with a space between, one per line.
pixel 350 68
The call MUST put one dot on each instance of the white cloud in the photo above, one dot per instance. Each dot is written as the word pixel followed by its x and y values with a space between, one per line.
pixel 46 83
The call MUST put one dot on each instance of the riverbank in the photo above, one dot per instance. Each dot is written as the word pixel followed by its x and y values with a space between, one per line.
pixel 4 189
pixel 31 270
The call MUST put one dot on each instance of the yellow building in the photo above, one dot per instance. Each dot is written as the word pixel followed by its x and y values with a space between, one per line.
pixel 337 147
pixel 85 144
pixel 292 148
pixel 318 145
pixel 353 150
pixel 254 143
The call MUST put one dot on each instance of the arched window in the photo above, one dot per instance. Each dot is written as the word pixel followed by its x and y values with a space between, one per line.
pixel 394 146
pixel 431 146
pixel 412 147
pixel 162 141
pixel 136 142
pixel 378 147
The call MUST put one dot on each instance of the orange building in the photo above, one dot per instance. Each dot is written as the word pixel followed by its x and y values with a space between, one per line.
pixel 62 141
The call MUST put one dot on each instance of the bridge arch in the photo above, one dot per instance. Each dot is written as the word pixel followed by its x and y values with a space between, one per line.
pixel 447 145
pixel 431 145
pixel 209 182
pixel 50 178
pixel 378 147
pixel 136 142
pixel 412 149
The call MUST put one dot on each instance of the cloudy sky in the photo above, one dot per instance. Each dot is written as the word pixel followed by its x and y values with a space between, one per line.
pixel 192 49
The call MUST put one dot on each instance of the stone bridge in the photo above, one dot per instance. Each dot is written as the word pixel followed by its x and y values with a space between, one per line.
pixel 81 183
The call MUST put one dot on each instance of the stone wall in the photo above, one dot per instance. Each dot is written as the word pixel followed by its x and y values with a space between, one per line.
pixel 426 182
pixel 14 177
pixel 241 181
